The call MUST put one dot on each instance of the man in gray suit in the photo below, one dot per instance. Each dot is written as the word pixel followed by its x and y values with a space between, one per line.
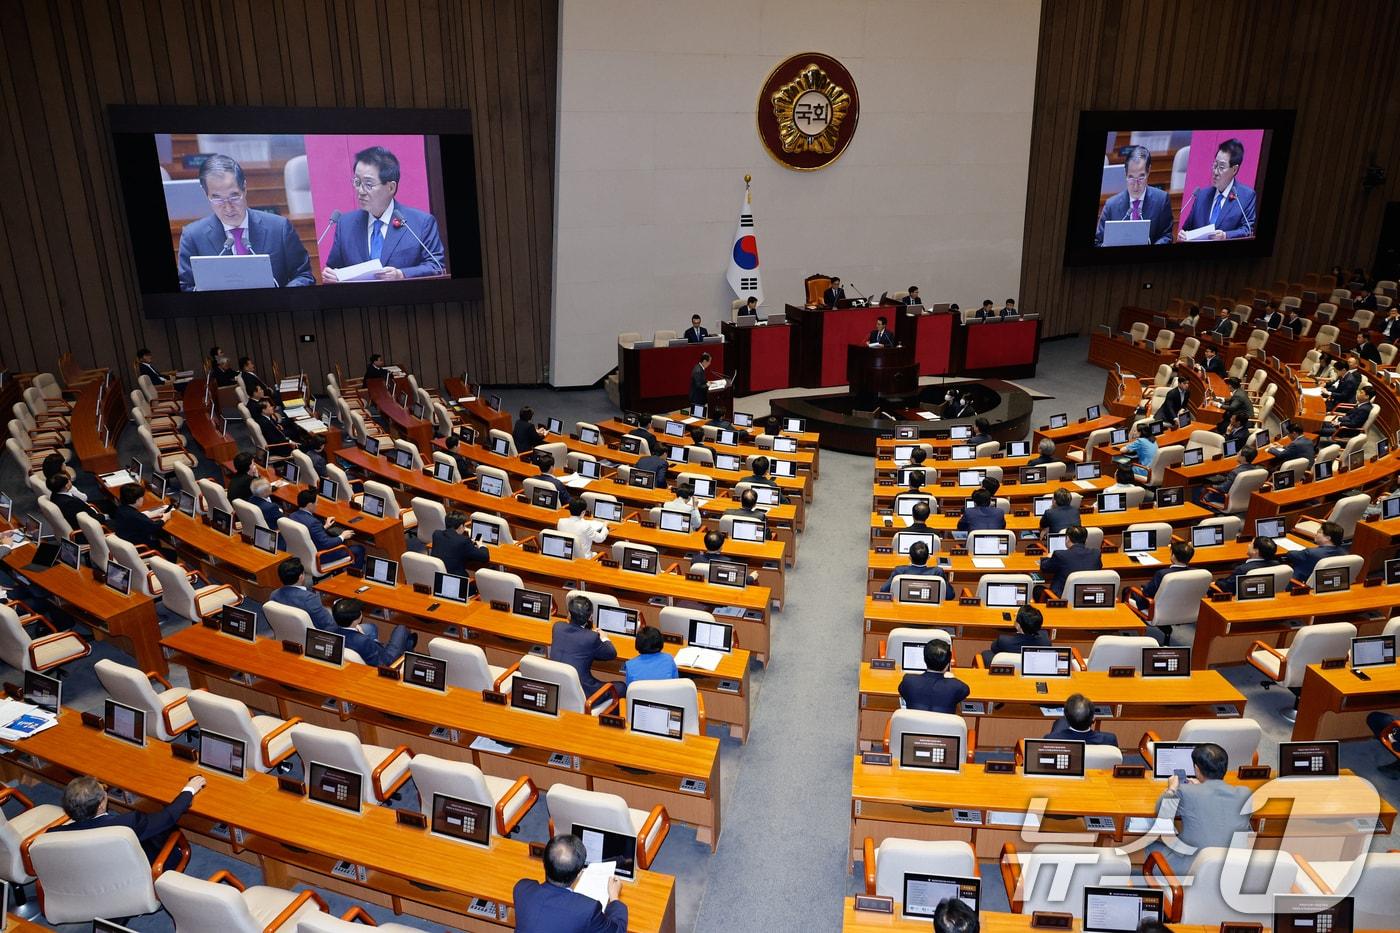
pixel 1139 201
pixel 1211 812
pixel 233 228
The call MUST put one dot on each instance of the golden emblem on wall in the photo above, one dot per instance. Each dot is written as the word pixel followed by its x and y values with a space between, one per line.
pixel 807 111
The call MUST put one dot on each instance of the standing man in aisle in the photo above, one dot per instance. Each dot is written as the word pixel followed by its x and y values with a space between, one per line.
pixel 382 228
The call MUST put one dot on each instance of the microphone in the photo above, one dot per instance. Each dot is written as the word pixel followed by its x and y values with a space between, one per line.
pixel 397 221
pixel 228 243
pixel 863 296
pixel 335 219
pixel 1186 211
pixel 1248 225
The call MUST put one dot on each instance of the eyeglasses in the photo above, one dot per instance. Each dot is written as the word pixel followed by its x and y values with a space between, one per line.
pixel 233 200
pixel 1221 166
pixel 366 186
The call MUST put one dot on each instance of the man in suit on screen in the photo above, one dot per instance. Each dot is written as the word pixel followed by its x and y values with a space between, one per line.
pixel 1227 205
pixel 382 228
pixel 233 228
pixel 1139 201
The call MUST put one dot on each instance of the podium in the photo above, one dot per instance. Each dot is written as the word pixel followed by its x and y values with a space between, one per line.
pixel 881 371
pixel 653 379
pixel 759 355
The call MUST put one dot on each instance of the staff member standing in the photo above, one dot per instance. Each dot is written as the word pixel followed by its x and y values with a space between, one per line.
pixel 382 228
pixel 700 381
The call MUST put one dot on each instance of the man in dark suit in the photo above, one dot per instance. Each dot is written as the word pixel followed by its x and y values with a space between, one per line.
pixel 758 473
pixel 1009 310
pixel 1352 422
pixel 85 802
pixel 1226 205
pixel 314 446
pixel 404 240
pixel 1327 543
pixel 913 297
pixel 1177 399
pixel 697 439
pixel 554 907
pixel 465 468
pixel 221 369
pixel 1219 490
pixel 1238 404
pixel 880 336
pixel 1182 552
pixel 1237 430
pixel 1078 724
pixel 454 546
pixel 261 499
pixel 1262 553
pixel 749 307
pixel 266 420
pixel 1390 327
pixel 918 566
pixel 1368 350
pixel 834 293
pixel 375 368
pixel 700 381
pixel 748 507
pixel 931 690
pixel 1225 327
pixel 981 515
pixel 1342 389
pixel 695 333
pixel 1029 633
pixel 249 374
pixel 235 229
pixel 656 466
pixel 1139 201
pixel 1211 363
pixel 145 367
pixel 133 525
pixel 1064 514
pixel 576 644
pixel 1058 566
pixel 362 637
pixel 1294 322
pixel 321 539
pixel 1044 454
pixel 61 495
pixel 985 313
pixel 545 461
pixel 295 593
pixel 919 518
pixel 240 482
pixel 1299 446
pixel 1271 318
pixel 526 434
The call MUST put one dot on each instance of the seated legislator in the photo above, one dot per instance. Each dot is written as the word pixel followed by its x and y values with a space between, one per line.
pixel 235 229
pixel 1182 553
pixel 1262 553
pixel 1078 724
pixel 465 468
pixel 1342 389
pixel 526 434
pixel 586 531
pixel 1029 633
pixel 576 644
pixel 1139 201
pixel 697 439
pixel 1211 363
pixel 833 293
pixel 1227 205
pixel 267 422
pixel 1009 310
pixel 454 546
pixel 545 461
pixel 240 481
pixel 714 550
pixel 1058 566
pixel 932 690
pixel 913 297
pixel 1237 404
pixel 221 369
pixel 375 368
pixel 918 566
pixel 1044 454
pixel 314 446
pixel 1212 812
pixel 685 502
pixel 1191 320
pixel 1367 350
pixel 919 516
pixel 295 593
pixel 1350 423
pixel 1294 445
pixel 651 662
pixel 248 372
pixel 362 637
pixel 321 538
pixel 656 466
pixel 983 435
pixel 1327 543
pixel 1390 327
pixel 1177 400
pixel 1293 322
pixel 1063 514
pixel 695 333
pixel 748 507
pixel 85 802
pixel 261 499
pixel 982 515
pixel 146 367
pixel 1272 317
pixel 1218 488
pixel 404 239
pixel 133 525
pixel 555 907
pixel 1237 430
pixel 880 336
pixel 758 473
pixel 63 495
pixel 1143 449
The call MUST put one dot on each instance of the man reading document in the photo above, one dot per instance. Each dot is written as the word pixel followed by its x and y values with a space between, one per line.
pixel 1138 202
pixel 1226 210
pixel 402 239
pixel 235 229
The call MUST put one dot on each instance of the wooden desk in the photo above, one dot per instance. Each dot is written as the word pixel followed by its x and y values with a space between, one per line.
pixel 1012 707
pixel 1224 631
pixel 916 804
pixel 643 769
pixel 1316 496
pixel 224 558
pixel 766 558
pixel 759 355
pixel 637 589
pixel 482 415
pixel 884 492
pixel 95 433
pixel 415 430
pixel 654 378
pixel 1075 433
pixel 974 628
pixel 505 637
pixel 109 614
pixel 1377 541
pixel 854 921
pixel 807 459
pixel 1334 703
pixel 386 534
pixel 297 841
pixel 194 406
pixel 1112 523
pixel 820 338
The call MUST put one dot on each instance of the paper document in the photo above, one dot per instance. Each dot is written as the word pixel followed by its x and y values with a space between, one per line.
pixel 221 273
pixel 703 659
pixel 290 384
pixel 1146 559
pixel 359 272
pixel 1200 233
pixel 466 399
pixel 483 744
pixel 575 480
pixel 1314 393
pixel 1052 712
pixel 21 720
pixel 311 425
pixel 731 611
pixel 988 563
pixel 1084 483
pixel 927 415
pixel 295 412
pixel 1288 544
pixel 119 478
pixel 693 420
pixel 714 385
pixel 594 881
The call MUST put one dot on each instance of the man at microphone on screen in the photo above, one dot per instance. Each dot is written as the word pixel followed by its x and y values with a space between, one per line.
pixel 233 228
pixel 1228 207
pixel 403 239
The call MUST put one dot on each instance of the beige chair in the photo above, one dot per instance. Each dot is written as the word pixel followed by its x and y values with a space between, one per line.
pixel 1239 737
pixel 1326 335
pixel 571 695
pixel 297 540
pixel 18 833
pixel 571 806
pixel 1178 600
pixel 496 434
pixel 143 579
pixel 1313 644
pixel 382 770
pixel 660 337
pixel 1189 347
pixel 419 569
pixel 466 665
pixel 223 903
pixel 1110 651
pixel 1371 879
pixel 167 713
pixel 507 800
pixel 497 586
pixel 500 524
pixel 162 459
pixel 183 599
pixel 506 488
pixel 266 739
pixel 1138 332
pixel 926 723
pixel 1217 873
pixel 1346 511
pixel 391 504
pixel 887 864
pixel 678 692
pixel 248 516
pixel 1237 496
pixel 25 653
pixel 99 873
pixel 1165 338
pixel 1052 877
pixel 1081 577
pixel 347 923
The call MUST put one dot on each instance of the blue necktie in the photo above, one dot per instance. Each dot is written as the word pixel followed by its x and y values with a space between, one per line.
pixel 1215 208
pixel 376 240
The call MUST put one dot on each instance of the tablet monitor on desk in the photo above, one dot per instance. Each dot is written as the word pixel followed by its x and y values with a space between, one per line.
pixel 617 620
pixel 1309 759
pixel 1033 476
pixel 728 462
pixel 603 846
pixel 963 452
pixel 265 539
pixel 1356 460
pixel 1054 758
pixel 904 540
pixel 1092 412
pixel 155 485
pixel 554 426
pixel 1167 661
pixel 1057 542
pixel 1313 913
pixel 590 436
pixel 491 486
pixel 1270 527
pixel 1170 758
pixel 1332 580
pixel 327 489
pixel 1059 421
pixel 1373 651
pixel 607 510
pixel 747 530
pixel 1390 507
pixel 903 453
pixel 1392 571
pixel 923 893
pixel 912 656
pixel 1093 595
pixel 542 498
pixel 532 604
pixel 221 753
pixel 1170 496
pixel 673 520
pixel 717 636
pixel 1207 535
pixel 124 722
pixel 1140 540
pixel 43 691
pixel 927 591
pixel 1193 456
pixel 500 446
pixel 904 504
pixel 703 487
pixel 1119 436
pixel 535 696
pixel 1120 910
pixel 240 623
pixel 767 495
pixel 676 453
pixel 629 444
pixel 930 752
pixel 1088 470
pixel 1045 662
pixel 785 445
pixel 1231 448
pixel 554 544
pixel 658 719
pixel 1254 586
pixel 381 570
pixel 675 429
pixel 1006 595
pixel 372 505
pixel 743 419
pixel 728 573
pixel 785 469
pixel 727 438
pixel 421 670
pixel 1018 449
pixel 798 425
pixel 991 545
pixel 221 521
pixel 1042 504
pixel 487 532
pixel 325 646
pixel 641 479
pixel 971 477
pixel 462 820
pixel 401 458
pixel 7 506
pixel 960 432
pixel 118 577
pixel 70 553
pixel 638 560
pixel 333 787
pixel 1283 479
pixel 371 445
pixel 1324 469
pixel 1113 502
pixel 589 469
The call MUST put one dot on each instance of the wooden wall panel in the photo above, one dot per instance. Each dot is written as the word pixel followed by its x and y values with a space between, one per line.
pixel 1325 58
pixel 67 282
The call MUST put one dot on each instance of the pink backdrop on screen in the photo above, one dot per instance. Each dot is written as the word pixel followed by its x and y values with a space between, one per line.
pixel 1203 148
pixel 329 163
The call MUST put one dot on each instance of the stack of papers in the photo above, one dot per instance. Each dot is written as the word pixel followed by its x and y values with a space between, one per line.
pixel 575 480
pixel 1288 544
pixel 465 399
pixel 296 411
pixel 21 720
pixel 311 425
pixel 1146 559
pixel 594 881
pixel 988 563
pixel 927 415
pixel 483 744
pixel 1200 233
pixel 703 659
pixel 359 271
pixel 119 478
pixel 290 384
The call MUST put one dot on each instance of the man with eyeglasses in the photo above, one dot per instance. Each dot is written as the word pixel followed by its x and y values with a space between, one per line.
pixel 235 229
pixel 1138 201
pixel 1227 206
pixel 404 240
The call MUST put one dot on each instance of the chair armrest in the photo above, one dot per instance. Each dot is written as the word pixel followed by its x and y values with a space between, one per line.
pixel 869 865
pixel 14 793
pixel 81 650
pixel 598 696
pixel 206 591
pixel 175 843
pixel 1011 875
pixel 380 791
pixel 1078 658
pixel 1157 873
pixel 170 708
pixel 506 827
pixel 357 914
pixel 658 815
pixel 224 876
pixel 506 675
pixel 1148 737
pixel 883 647
pixel 1020 751
pixel 290 910
pixel 971 741
pixel 267 743
pixel 700 709
pixel 29 841
pixel 1312 874
pixel 156 676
